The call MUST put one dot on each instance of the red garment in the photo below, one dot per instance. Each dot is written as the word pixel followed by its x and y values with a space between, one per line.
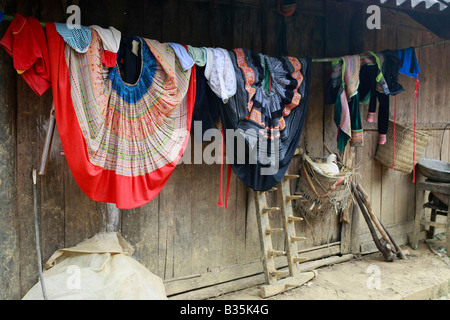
pixel 109 59
pixel 97 183
pixel 25 42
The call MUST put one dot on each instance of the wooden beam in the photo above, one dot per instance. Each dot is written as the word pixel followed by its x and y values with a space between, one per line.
pixel 405 7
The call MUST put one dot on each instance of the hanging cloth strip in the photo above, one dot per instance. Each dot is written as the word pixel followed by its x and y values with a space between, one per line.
pixel 346 112
pixel 121 141
pixel 408 62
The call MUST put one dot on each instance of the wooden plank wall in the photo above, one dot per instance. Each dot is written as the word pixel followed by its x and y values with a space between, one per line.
pixel 182 236
pixel 392 192
pixel 182 233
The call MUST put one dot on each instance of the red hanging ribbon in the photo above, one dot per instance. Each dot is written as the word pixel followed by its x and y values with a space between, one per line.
pixel 415 121
pixel 395 117
pixel 220 203
pixel 228 186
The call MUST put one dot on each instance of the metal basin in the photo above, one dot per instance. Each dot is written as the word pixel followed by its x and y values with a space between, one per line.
pixel 434 169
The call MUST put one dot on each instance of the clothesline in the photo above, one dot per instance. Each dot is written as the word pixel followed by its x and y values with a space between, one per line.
pixel 10 18
pixel 286 109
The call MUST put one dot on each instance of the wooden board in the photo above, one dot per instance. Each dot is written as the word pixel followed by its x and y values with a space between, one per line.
pixel 9 230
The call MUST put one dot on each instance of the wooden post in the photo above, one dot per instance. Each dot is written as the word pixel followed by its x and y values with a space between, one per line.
pixel 9 245
pixel 420 196
pixel 113 219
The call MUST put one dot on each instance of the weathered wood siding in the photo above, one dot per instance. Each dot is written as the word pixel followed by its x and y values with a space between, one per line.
pixel 182 235
pixel 392 193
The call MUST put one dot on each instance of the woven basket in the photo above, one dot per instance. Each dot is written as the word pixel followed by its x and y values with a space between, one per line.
pixel 321 193
pixel 404 147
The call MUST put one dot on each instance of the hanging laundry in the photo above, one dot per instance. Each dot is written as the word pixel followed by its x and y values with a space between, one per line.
pixel 220 73
pixel 344 82
pixel 129 58
pixel 390 68
pixel 362 79
pixel 198 55
pixel 368 87
pixel 2 16
pixel 371 58
pixel 183 56
pixel 121 141
pixel 206 108
pixel 78 37
pixel 387 63
pixel 408 62
pixel 111 42
pixel 269 106
pixel 25 42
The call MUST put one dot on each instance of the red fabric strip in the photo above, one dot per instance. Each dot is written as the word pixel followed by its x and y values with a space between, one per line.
pixel 220 203
pixel 395 117
pixel 415 122
pixel 228 186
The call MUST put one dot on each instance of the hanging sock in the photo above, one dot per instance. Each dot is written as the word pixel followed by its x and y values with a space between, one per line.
pixel 381 139
pixel 370 117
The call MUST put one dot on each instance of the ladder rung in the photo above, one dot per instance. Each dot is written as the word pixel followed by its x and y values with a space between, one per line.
pixel 433 224
pixel 279 273
pixel 270 230
pixel 293 218
pixel 276 253
pixel 290 176
pixel 270 209
pixel 297 238
pixel 294 197
pixel 300 259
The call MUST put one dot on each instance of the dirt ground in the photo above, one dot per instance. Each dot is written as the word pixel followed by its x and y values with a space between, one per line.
pixel 425 275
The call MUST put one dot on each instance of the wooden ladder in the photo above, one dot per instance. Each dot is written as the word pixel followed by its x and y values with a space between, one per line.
pixel 277 281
